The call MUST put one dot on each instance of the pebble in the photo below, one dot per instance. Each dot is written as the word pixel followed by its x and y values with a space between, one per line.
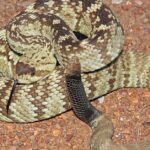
pixel 70 135
pixel 117 1
pixel 101 99
pixel 56 132
pixel 12 148
pixel 138 2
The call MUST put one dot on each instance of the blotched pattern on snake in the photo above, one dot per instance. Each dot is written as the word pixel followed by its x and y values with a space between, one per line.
pixel 38 44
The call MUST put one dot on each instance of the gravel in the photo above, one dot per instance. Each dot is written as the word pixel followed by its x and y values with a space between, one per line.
pixel 128 108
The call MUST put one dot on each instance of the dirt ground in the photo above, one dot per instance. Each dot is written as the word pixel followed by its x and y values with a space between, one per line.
pixel 128 108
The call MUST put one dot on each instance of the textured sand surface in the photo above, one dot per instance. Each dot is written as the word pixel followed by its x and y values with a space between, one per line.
pixel 128 108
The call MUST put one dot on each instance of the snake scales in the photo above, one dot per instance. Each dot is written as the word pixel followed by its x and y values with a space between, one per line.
pixel 30 45
pixel 41 93
pixel 102 126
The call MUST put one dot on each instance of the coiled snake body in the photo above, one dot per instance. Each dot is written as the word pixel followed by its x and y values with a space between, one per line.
pixel 32 41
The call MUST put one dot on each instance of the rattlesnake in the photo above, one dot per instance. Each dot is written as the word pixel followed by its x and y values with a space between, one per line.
pixel 45 31
pixel 32 40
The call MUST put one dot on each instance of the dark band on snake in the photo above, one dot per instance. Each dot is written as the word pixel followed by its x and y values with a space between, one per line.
pixel 11 95
pixel 76 92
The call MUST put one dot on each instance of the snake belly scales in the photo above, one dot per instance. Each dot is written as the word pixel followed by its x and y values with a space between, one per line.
pixel 33 40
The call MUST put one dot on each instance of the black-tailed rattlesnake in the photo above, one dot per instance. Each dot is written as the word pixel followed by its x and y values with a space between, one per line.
pixel 45 31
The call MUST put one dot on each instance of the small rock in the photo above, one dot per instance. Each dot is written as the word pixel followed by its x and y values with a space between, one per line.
pixel 12 148
pixel 138 2
pixel 121 119
pixel 101 99
pixel 117 1
pixel 128 3
pixel 56 132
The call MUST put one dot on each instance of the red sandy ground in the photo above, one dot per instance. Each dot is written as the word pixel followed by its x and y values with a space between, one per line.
pixel 128 108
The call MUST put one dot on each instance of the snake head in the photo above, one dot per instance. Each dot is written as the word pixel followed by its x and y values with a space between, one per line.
pixel 22 69
pixel 25 73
